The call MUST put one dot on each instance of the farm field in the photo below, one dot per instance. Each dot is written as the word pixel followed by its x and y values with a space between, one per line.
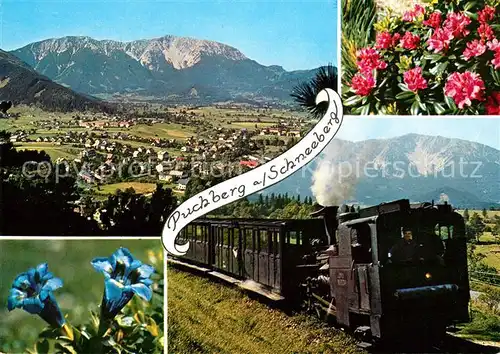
pixel 67 259
pixel 139 187
pixel 205 317
pixel 54 151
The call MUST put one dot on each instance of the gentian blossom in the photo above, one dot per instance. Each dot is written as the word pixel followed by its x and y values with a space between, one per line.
pixel 434 20
pixel 493 104
pixel 32 291
pixel 124 276
pixel 412 15
pixel 440 40
pixel 368 59
pixel 456 23
pixel 474 49
pixel 464 88
pixel 410 41
pixel 414 79
pixel 363 84
pixel 486 14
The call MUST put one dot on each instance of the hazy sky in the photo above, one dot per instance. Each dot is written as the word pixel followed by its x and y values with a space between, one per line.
pixel 294 34
pixel 484 131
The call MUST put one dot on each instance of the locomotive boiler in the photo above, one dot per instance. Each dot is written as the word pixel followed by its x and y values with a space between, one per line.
pixel 383 271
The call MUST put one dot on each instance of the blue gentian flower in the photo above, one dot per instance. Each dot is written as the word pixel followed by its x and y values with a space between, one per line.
pixel 32 291
pixel 124 276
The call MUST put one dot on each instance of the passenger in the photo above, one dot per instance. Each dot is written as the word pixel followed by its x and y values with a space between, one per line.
pixel 406 249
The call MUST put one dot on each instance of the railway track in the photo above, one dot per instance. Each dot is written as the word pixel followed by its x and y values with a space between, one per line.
pixel 449 344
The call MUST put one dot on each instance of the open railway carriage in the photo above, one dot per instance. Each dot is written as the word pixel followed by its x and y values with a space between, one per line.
pixel 351 265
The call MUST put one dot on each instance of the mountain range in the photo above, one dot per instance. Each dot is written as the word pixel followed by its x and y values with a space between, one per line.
pixel 414 166
pixel 169 68
pixel 21 84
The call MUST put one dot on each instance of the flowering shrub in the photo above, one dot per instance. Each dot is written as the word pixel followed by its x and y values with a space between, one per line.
pixel 443 58
pixel 124 325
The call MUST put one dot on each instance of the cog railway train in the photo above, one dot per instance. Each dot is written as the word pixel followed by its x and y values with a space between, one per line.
pixel 380 271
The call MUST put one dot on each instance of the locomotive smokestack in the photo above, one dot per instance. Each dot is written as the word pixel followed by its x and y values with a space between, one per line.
pixel 329 214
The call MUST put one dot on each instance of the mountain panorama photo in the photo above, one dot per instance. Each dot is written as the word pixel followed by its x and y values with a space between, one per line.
pixel 169 68
pixel 140 134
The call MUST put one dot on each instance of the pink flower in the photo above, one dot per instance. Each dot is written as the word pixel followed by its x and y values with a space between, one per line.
pixel 369 59
pixel 494 45
pixel 414 79
pixel 474 49
pixel 493 104
pixel 440 40
pixel 434 20
pixel 486 14
pixel 363 84
pixel 457 23
pixel 485 32
pixel 412 15
pixel 464 87
pixel 410 41
pixel 395 39
pixel 496 60
pixel 384 40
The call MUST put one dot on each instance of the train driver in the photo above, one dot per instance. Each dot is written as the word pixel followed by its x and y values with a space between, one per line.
pixel 406 249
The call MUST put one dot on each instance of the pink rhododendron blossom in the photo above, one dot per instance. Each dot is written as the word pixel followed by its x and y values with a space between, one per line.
pixel 494 45
pixel 474 49
pixel 485 32
pixel 412 15
pixel 493 104
pixel 363 84
pixel 384 40
pixel 440 40
pixel 464 88
pixel 369 59
pixel 486 14
pixel 410 41
pixel 434 20
pixel 415 80
pixel 456 23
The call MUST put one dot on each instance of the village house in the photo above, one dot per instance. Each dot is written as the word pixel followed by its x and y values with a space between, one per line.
pixel 162 155
pixel 165 178
pixel 178 174
pixel 182 184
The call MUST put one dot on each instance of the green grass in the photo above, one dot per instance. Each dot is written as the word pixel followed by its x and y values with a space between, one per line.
pixel 139 187
pixel 205 317
pixel 492 253
pixel 68 260
pixel 54 151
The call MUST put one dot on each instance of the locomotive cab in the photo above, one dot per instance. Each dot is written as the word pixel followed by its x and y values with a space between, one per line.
pixel 400 268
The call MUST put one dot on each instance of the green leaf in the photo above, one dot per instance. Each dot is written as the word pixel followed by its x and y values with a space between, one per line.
pixel 42 347
pixel 414 109
pixel 438 107
pixel 451 104
pixel 439 69
pixel 404 87
pixel 405 95
pixel 353 100
pixel 470 5
pixel 365 110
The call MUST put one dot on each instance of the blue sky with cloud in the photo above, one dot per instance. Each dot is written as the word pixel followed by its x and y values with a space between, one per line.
pixel 293 34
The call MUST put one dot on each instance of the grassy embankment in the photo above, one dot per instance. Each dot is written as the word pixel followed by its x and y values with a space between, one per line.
pixel 206 317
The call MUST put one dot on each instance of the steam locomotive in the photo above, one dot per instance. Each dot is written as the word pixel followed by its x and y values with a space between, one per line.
pixel 381 271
